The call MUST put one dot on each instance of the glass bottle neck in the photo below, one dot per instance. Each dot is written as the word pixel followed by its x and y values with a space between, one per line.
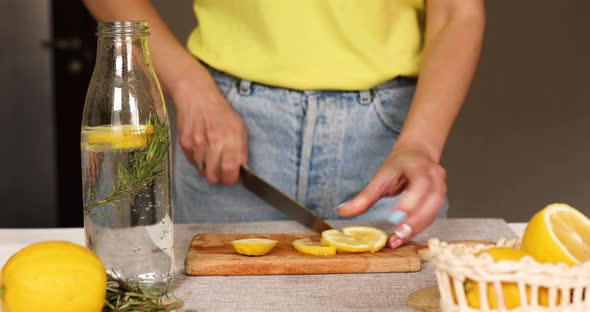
pixel 122 45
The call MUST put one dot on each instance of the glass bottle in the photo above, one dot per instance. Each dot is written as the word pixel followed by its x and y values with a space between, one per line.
pixel 125 142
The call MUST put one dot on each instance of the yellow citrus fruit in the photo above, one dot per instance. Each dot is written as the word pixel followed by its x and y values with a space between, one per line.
pixel 53 276
pixel 119 137
pixel 368 234
pixel 307 246
pixel 509 290
pixel 253 246
pixel 558 233
pixel 343 242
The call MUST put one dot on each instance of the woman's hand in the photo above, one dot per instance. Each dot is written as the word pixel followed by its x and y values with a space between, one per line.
pixel 423 182
pixel 211 133
pixel 454 32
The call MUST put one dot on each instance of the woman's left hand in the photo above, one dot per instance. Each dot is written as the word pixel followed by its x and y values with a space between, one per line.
pixel 422 182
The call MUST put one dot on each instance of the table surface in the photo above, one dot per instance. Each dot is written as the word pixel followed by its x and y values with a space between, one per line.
pixel 225 293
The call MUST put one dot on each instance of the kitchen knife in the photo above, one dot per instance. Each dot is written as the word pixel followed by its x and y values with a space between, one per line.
pixel 281 201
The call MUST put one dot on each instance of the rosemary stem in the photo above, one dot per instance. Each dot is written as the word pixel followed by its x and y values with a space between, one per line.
pixel 107 199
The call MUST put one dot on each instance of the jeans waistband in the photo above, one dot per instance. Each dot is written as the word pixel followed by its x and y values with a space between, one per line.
pixel 244 86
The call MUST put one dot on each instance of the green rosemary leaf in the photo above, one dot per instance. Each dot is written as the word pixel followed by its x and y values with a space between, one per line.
pixel 92 195
pixel 144 167
pixel 100 215
pixel 122 298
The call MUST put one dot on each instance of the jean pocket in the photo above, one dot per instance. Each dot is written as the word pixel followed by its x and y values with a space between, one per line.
pixel 392 105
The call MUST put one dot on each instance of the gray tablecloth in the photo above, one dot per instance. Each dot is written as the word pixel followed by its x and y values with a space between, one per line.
pixel 338 292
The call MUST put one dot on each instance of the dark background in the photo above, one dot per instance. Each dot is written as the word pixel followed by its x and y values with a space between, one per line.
pixel 520 142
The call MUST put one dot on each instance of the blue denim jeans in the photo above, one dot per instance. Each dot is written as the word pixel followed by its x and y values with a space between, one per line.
pixel 320 147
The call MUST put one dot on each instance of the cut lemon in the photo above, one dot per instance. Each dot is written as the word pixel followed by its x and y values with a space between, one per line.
pixel 253 246
pixel 558 233
pixel 307 246
pixel 118 137
pixel 343 242
pixel 375 237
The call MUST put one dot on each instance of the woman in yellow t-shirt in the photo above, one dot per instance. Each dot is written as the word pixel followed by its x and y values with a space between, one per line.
pixel 343 105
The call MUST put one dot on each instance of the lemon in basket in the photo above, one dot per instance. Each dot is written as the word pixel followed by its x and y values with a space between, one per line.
pixel 509 290
pixel 558 233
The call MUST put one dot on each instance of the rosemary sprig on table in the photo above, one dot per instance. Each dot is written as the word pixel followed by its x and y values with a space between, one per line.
pixel 144 167
pixel 122 298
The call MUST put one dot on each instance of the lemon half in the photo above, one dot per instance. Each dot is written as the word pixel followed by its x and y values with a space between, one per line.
pixel 253 246
pixel 307 246
pixel 558 233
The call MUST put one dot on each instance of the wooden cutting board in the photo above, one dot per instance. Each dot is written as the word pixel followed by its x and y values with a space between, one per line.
pixel 212 254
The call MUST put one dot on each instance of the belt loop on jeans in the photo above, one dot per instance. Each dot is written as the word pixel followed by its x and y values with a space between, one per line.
pixel 244 87
pixel 366 96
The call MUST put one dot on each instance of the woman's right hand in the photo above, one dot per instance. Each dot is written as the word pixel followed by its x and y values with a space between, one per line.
pixel 211 133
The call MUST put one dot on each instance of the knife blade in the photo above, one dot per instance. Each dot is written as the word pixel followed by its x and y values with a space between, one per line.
pixel 281 201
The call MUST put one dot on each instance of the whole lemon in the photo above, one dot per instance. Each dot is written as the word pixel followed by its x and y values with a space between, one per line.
pixel 53 276
pixel 509 290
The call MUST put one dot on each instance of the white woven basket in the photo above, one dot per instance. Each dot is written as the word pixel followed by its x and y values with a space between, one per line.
pixel 454 263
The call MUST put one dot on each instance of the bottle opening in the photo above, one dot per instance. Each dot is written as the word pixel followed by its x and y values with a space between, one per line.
pixel 114 28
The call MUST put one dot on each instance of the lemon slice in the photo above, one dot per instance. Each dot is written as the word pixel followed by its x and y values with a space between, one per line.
pixel 375 237
pixel 343 242
pixel 253 246
pixel 558 233
pixel 307 246
pixel 119 137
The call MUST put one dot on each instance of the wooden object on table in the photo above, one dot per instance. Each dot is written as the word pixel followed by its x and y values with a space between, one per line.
pixel 212 254
pixel 425 299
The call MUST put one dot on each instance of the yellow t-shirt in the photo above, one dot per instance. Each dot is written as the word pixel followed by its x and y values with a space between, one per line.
pixel 310 44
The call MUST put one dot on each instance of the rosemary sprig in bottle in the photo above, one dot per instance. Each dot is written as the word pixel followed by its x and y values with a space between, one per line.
pixel 145 166
pixel 122 298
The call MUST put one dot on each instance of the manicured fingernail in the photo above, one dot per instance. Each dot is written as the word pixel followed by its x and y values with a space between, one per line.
pixel 342 204
pixel 395 243
pixel 396 217
pixel 403 231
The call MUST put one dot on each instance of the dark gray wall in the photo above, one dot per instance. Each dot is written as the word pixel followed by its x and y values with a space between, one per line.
pixel 180 17
pixel 523 138
pixel 27 152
